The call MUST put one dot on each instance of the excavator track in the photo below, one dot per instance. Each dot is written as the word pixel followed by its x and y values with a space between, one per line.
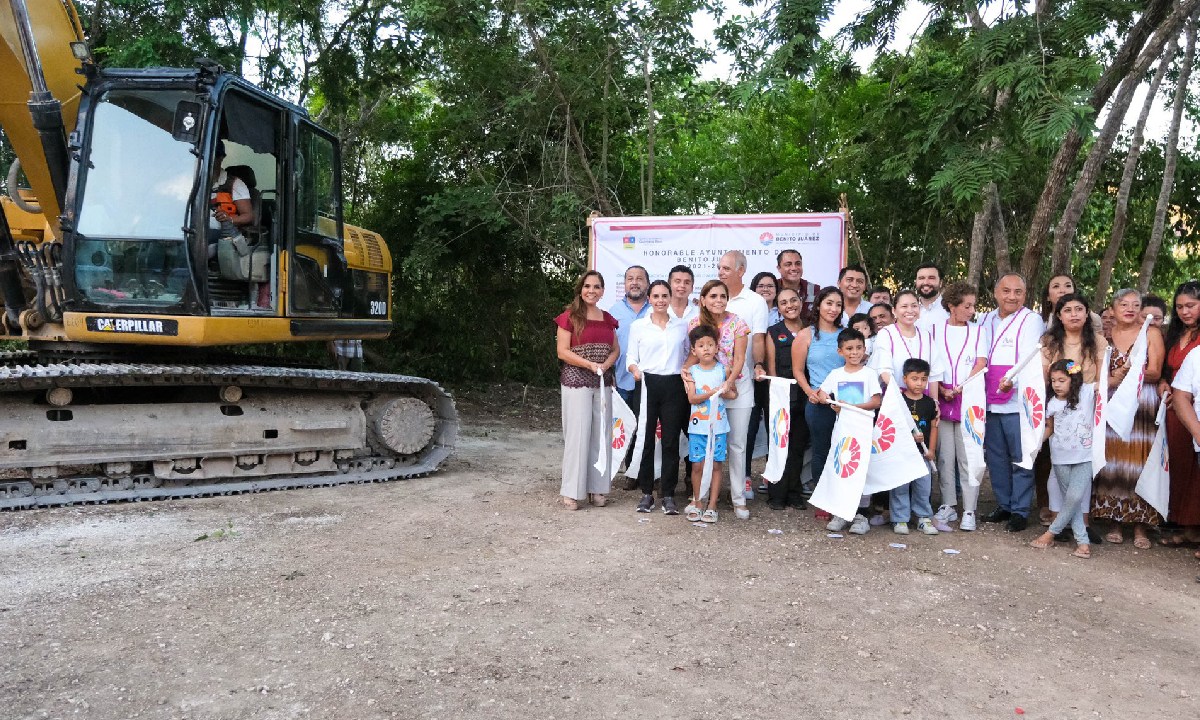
pixel 363 428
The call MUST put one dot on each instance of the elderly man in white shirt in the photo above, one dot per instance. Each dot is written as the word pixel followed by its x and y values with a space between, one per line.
pixel 752 309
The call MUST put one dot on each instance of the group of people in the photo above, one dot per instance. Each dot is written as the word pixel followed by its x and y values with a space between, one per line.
pixel 701 369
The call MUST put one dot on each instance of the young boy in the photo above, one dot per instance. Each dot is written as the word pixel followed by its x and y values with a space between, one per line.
pixel 708 416
pixel 913 497
pixel 853 384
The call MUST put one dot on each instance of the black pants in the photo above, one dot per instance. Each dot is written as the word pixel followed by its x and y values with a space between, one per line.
pixel 666 401
pixel 762 401
pixel 632 398
pixel 790 488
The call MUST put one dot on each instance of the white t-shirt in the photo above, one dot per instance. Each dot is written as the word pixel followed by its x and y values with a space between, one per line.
pixel 1071 442
pixel 864 307
pixel 892 349
pixel 852 388
pixel 752 309
pixel 932 316
pixel 1188 380
pixel 1007 340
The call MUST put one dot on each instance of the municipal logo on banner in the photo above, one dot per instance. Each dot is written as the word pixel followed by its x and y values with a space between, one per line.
pixel 885 435
pixel 766 238
pixel 780 428
pixel 619 435
pixel 1032 405
pixel 973 419
pixel 847 454
pixel 628 241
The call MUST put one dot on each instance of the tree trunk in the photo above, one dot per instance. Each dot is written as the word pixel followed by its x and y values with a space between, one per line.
pixel 648 201
pixel 1121 216
pixel 979 232
pixel 999 233
pixel 1171 157
pixel 572 129
pixel 1064 234
pixel 1056 180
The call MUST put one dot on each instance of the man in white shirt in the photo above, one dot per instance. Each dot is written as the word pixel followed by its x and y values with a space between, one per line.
pixel 626 310
pixel 852 281
pixel 752 309
pixel 929 296
pixel 681 280
pixel 1009 333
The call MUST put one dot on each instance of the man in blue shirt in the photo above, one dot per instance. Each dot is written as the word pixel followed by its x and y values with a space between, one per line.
pixel 629 308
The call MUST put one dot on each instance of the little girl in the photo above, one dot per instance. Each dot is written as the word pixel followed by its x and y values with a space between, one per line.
pixel 1069 417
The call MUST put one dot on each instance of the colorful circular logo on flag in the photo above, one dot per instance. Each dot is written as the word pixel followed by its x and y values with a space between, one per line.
pixel 658 430
pixel 885 435
pixel 618 433
pixel 780 428
pixel 846 456
pixel 974 418
pixel 1164 461
pixel 1032 404
pixel 1097 417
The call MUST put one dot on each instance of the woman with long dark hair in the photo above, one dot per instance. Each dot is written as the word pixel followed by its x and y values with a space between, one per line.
pixel 587 350
pixel 814 356
pixel 1183 336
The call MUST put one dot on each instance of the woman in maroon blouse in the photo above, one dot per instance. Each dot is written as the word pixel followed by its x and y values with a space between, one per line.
pixel 587 349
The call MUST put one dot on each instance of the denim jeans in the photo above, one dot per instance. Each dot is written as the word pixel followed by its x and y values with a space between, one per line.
pixel 1012 485
pixel 821 419
pixel 1075 480
pixel 911 498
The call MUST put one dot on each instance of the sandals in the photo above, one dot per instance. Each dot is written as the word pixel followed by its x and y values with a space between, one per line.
pixel 1115 537
pixel 1083 551
pixel 1041 542
pixel 691 512
pixel 1141 542
pixel 709 516
pixel 569 503
pixel 598 500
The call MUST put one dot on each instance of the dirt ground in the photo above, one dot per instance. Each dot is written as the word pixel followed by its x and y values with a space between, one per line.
pixel 470 594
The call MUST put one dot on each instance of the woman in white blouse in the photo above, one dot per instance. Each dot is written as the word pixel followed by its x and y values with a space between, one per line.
pixel 903 340
pixel 657 348
pixel 957 344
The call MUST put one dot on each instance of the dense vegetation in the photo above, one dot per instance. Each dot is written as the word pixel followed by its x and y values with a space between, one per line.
pixel 479 135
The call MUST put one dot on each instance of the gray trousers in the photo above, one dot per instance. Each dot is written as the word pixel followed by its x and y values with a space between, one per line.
pixel 952 466
pixel 582 410
pixel 1075 480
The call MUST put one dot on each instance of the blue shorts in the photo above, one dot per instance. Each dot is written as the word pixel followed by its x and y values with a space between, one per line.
pixel 698 444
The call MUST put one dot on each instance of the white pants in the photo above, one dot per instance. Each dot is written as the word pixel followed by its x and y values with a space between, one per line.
pixel 582 409
pixel 952 460
pixel 739 429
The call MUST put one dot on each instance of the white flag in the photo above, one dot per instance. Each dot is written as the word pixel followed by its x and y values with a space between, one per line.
pixel 639 438
pixel 1154 484
pixel 841 484
pixel 973 425
pixel 779 427
pixel 623 424
pixel 1031 385
pixel 1123 405
pixel 1100 419
pixel 895 458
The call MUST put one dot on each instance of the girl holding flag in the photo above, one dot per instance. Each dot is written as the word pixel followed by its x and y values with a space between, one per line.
pixel 959 350
pixel 1114 497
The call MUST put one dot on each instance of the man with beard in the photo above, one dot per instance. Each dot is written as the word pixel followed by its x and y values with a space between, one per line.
pixel 929 297
pixel 631 307
pixel 852 281
pixel 790 266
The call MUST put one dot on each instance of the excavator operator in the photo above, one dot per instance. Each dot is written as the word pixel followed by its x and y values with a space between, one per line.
pixel 230 200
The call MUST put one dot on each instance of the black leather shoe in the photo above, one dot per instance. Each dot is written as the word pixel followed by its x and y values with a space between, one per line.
pixel 997 515
pixel 1017 523
pixel 1067 535
pixel 1094 536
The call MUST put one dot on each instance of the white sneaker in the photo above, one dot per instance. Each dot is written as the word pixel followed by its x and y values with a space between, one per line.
pixel 740 512
pixel 925 525
pixel 837 524
pixel 968 521
pixel 860 526
pixel 947 514
pixel 900 528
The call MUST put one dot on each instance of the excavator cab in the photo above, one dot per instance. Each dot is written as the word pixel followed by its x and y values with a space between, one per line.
pixel 140 233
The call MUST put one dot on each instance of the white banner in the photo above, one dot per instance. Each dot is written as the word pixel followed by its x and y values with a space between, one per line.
pixel 779 427
pixel 1123 405
pixel 1031 385
pixel 1154 484
pixel 1100 419
pixel 973 426
pixel 639 439
pixel 841 485
pixel 895 459
pixel 623 425
pixel 698 241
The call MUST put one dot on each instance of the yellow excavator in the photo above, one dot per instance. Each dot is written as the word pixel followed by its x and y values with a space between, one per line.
pixel 170 216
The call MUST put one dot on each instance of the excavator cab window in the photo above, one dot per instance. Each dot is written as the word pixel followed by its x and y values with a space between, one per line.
pixel 136 189
pixel 319 263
